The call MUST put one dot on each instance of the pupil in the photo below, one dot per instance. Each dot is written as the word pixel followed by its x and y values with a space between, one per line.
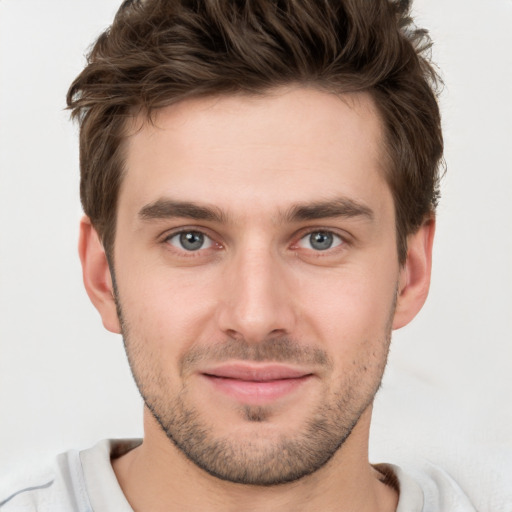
pixel 192 240
pixel 321 240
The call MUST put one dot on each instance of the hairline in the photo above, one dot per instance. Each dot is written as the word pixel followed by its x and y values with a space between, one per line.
pixel 139 116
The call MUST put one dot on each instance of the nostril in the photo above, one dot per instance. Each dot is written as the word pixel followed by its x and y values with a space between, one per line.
pixel 234 335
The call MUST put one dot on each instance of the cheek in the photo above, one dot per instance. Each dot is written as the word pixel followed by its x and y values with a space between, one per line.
pixel 167 305
pixel 351 307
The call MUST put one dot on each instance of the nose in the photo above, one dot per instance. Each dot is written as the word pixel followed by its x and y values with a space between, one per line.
pixel 256 299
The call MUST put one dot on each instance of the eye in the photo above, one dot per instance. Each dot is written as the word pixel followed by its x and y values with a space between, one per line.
pixel 320 241
pixel 190 241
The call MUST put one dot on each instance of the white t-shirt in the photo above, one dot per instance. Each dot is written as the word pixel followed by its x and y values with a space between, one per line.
pixel 84 481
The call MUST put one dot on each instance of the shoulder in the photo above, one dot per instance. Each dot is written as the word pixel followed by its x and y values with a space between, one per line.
pixel 76 481
pixel 57 487
pixel 426 487
pixel 26 493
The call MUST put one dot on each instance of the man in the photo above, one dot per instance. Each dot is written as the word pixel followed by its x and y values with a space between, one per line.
pixel 259 180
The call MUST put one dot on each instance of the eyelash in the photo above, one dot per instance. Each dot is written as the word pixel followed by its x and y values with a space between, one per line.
pixel 190 253
pixel 343 241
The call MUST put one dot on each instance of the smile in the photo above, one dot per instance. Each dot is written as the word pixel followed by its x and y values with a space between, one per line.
pixel 256 384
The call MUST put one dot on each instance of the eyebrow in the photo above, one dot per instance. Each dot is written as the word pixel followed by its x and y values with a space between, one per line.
pixel 169 208
pixel 339 207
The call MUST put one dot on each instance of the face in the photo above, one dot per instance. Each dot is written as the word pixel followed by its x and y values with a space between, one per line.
pixel 256 275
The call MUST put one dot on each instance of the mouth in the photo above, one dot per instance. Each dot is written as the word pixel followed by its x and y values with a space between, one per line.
pixel 256 384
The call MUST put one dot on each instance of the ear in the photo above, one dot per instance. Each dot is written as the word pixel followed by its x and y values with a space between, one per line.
pixel 414 281
pixel 96 275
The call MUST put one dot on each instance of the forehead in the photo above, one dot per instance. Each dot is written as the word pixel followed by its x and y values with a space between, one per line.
pixel 290 145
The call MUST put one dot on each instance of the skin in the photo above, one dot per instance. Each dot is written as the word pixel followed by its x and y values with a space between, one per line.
pixel 262 175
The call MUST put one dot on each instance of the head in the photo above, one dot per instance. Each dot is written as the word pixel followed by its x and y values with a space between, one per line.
pixel 235 298
pixel 157 53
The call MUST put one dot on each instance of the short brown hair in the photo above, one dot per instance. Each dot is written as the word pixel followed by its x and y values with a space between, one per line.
pixel 158 52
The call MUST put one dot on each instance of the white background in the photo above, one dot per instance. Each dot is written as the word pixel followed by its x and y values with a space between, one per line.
pixel 64 381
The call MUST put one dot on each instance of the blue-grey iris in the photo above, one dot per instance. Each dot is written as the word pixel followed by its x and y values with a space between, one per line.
pixel 191 240
pixel 321 240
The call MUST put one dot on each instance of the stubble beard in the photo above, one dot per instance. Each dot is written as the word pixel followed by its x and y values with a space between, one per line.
pixel 258 461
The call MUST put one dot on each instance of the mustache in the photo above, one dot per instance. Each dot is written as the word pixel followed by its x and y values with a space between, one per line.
pixel 280 349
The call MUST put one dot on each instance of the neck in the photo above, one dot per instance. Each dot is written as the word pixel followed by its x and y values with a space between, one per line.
pixel 157 476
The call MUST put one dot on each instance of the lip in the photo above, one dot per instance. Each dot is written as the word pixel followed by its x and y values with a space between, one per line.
pixel 256 372
pixel 256 384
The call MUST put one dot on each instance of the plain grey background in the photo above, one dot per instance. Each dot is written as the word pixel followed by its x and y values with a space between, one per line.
pixel 64 381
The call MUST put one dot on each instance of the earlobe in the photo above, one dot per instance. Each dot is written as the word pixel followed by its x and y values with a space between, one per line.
pixel 96 275
pixel 414 282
